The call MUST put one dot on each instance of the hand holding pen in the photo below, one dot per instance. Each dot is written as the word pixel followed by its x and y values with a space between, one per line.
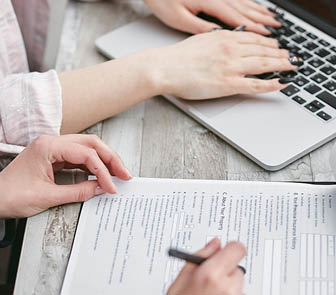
pixel 218 274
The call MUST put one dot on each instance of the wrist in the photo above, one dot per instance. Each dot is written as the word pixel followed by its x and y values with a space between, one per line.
pixel 153 71
pixel 157 69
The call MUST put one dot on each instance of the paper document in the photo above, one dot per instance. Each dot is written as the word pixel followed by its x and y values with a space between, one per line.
pixel 122 240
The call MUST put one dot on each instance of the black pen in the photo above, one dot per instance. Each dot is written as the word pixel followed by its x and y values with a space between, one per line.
pixel 193 258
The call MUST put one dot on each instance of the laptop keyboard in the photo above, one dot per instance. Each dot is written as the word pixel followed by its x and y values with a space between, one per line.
pixel 315 80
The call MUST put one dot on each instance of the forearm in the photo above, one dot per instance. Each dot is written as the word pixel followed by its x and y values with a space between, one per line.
pixel 95 93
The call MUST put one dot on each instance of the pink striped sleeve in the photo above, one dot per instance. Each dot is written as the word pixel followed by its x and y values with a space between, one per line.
pixel 30 105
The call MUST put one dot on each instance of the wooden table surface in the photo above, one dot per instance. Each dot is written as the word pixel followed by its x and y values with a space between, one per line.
pixel 154 139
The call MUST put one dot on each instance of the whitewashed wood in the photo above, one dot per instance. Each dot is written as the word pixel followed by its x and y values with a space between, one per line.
pixel 154 139
pixel 162 147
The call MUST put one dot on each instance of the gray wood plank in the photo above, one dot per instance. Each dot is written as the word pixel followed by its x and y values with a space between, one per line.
pixel 162 146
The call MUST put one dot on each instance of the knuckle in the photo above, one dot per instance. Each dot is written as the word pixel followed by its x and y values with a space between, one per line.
pixel 94 137
pixel 82 195
pixel 255 85
pixel 92 154
pixel 208 279
pixel 261 61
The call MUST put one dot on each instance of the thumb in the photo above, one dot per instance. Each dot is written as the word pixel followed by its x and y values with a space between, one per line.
pixel 195 25
pixel 73 193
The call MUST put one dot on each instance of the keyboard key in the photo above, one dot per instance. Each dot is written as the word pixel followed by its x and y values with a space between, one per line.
pixel 328 70
pixel 274 31
pixel 287 32
pixel 299 99
pixel 307 71
pixel 317 104
pixel 312 36
pixel 322 52
pixel 310 45
pixel 301 81
pixel 265 76
pixel 316 62
pixel 319 78
pixel 328 98
pixel 293 48
pixel 323 42
pixel 333 48
pixel 330 85
pixel 288 74
pixel 288 22
pixel 299 39
pixel 312 88
pixel 334 77
pixel 311 107
pixel 290 90
pixel 283 43
pixel 324 116
pixel 304 54
pixel 300 29
pixel 332 59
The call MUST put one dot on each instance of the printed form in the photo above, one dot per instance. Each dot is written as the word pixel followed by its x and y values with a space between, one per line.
pixel 122 240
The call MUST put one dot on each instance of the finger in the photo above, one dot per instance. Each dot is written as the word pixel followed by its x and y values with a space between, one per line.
pixel 79 154
pixel 236 282
pixel 108 156
pixel 225 261
pixel 258 7
pixel 260 18
pixel 233 17
pixel 252 86
pixel 258 50
pixel 254 65
pixel 211 248
pixel 195 25
pixel 73 193
pixel 252 38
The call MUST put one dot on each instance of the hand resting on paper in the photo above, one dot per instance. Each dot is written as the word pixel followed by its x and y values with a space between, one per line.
pixel 218 275
pixel 27 184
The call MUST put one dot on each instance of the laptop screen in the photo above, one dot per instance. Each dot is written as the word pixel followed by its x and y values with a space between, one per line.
pixel 325 9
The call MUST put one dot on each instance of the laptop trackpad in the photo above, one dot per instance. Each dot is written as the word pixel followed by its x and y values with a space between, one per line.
pixel 214 107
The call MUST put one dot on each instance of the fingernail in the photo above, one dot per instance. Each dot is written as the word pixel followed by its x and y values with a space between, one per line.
pixel 286 80
pixel 216 29
pixel 240 29
pixel 99 191
pixel 242 269
pixel 128 173
pixel 296 61
pixel 271 29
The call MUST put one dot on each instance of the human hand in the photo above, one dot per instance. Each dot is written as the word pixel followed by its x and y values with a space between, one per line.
pixel 27 184
pixel 181 14
pixel 219 274
pixel 217 64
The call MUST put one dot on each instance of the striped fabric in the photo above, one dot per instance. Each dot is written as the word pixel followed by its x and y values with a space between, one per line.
pixel 30 102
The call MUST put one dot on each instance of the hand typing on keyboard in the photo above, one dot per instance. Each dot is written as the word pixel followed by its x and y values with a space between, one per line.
pixel 182 14
pixel 221 63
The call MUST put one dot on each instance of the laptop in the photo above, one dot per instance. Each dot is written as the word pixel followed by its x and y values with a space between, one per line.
pixel 272 129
